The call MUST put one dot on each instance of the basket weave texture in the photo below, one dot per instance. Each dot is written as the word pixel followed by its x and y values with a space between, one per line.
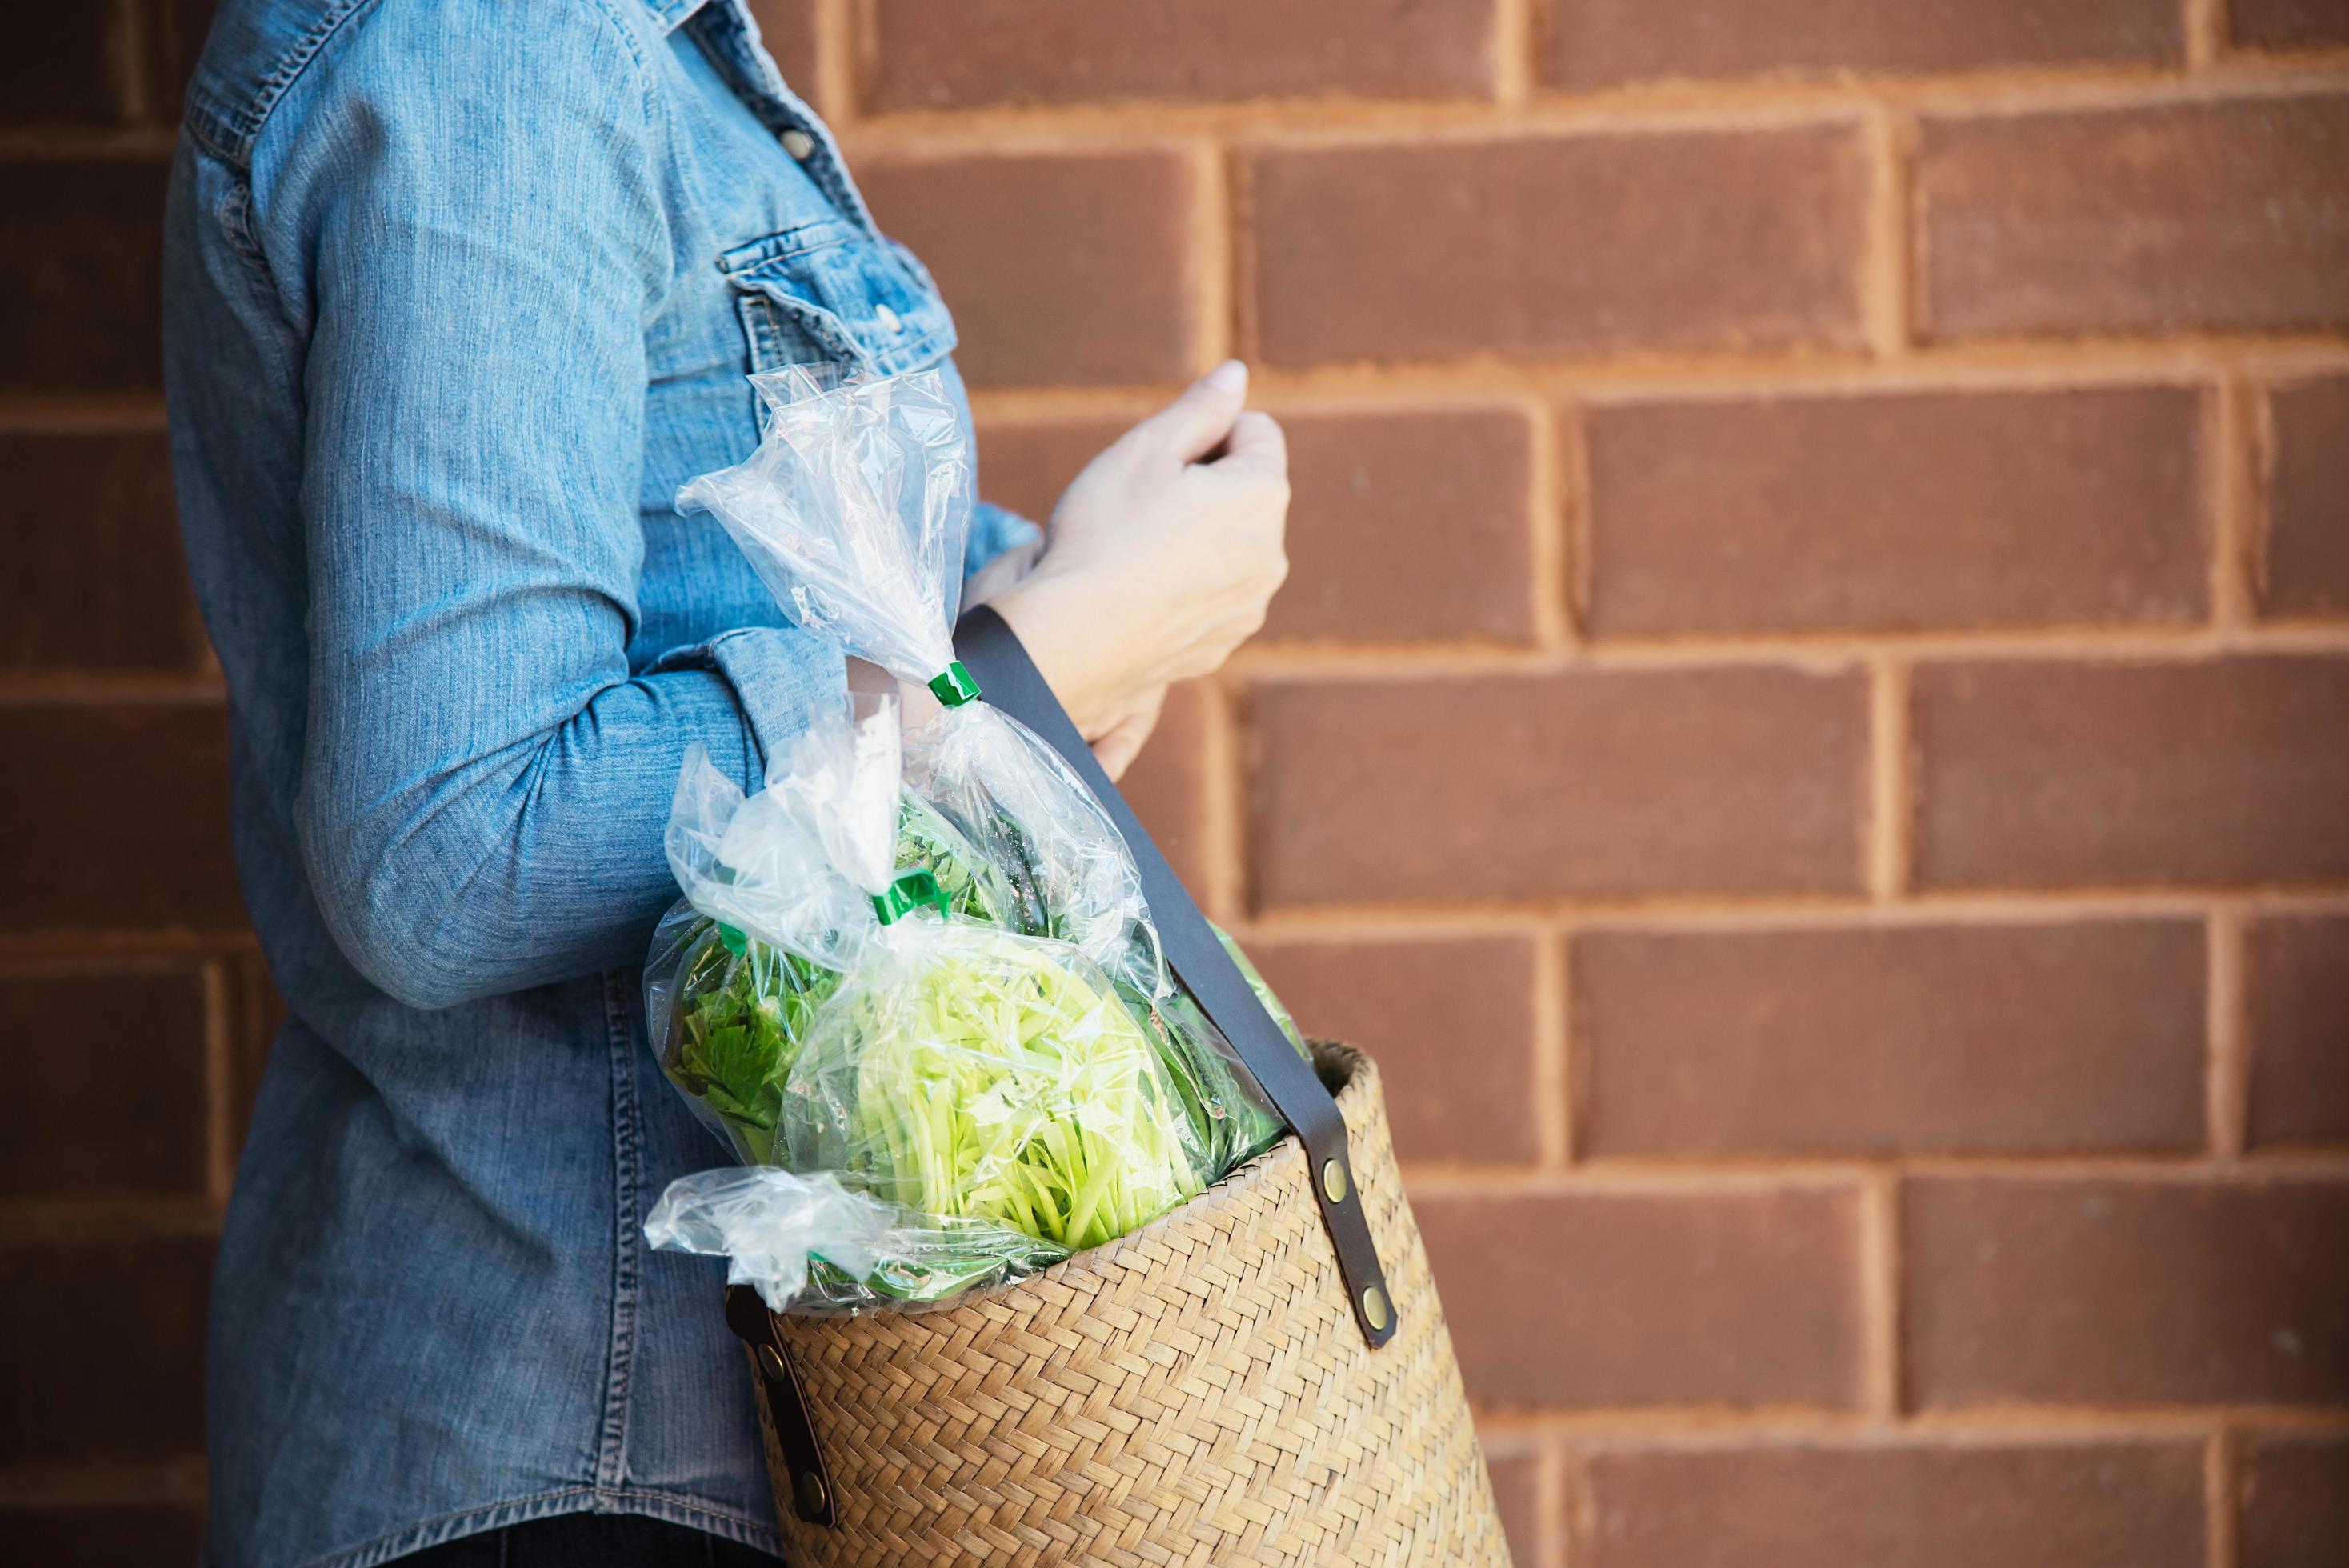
pixel 1198 1392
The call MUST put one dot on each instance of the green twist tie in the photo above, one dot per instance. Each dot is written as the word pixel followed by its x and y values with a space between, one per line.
pixel 954 686
pixel 736 942
pixel 910 891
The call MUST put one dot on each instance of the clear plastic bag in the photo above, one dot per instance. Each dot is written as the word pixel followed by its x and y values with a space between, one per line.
pixel 776 906
pixel 811 1244
pixel 988 1096
pixel 851 509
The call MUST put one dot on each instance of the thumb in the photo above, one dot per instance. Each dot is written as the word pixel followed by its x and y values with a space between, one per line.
pixel 1195 423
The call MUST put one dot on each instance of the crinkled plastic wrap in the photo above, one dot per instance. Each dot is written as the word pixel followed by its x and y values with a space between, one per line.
pixel 987 1097
pixel 851 509
pixel 812 1244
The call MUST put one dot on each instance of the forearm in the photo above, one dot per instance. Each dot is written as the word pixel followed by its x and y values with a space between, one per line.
pixel 539 859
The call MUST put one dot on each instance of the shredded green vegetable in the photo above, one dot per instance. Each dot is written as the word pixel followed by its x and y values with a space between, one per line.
pixel 981 1075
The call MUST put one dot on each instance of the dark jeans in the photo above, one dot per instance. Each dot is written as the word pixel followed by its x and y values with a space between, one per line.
pixel 591 1541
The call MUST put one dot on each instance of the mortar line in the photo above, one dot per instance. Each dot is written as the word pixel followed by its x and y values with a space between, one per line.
pixel 841 46
pixel 2204 26
pixel 1634 109
pixel 1515 49
pixel 1555 1088
pixel 224 1017
pixel 1208 258
pixel 2222 1528
pixel 1820 653
pixel 2227 1084
pixel 2017 365
pixel 1888 138
pixel 1225 850
pixel 1558 1487
pixel 1561 511
pixel 1698 912
pixel 2230 427
pixel 1889 822
pixel 133 50
pixel 1880 1293
pixel 1239 290
pixel 1830 1172
pixel 2256 451
pixel 1702 1427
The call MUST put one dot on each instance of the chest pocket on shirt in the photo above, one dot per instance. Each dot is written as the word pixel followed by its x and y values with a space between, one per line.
pixel 828 290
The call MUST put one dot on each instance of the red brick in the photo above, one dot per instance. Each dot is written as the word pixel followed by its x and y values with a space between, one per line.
pixel 1060 268
pixel 1450 1023
pixel 1891 1040
pixel 1592 1299
pixel 2227 216
pixel 1545 245
pixel 65 65
pixel 102 1349
pixel 961 54
pixel 1516 1489
pixel 1169 788
pixel 1374 495
pixel 102 1070
pixel 2114 1290
pixel 2296 986
pixel 2222 771
pixel 115 817
pixel 1026 464
pixel 1587 783
pixel 110 590
pixel 1607 43
pixel 2080 1505
pixel 2289 23
pixel 788 29
pixel 2304 567
pixel 81 291
pixel 1900 512
pixel 105 1535
pixel 2293 1493
pixel 1409 526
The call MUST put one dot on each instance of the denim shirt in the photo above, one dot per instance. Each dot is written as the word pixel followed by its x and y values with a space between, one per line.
pixel 457 293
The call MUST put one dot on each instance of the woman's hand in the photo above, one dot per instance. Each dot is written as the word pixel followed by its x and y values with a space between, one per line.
pixel 1159 561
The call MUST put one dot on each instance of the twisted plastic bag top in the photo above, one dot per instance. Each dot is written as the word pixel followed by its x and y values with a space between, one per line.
pixel 796 864
pixel 853 510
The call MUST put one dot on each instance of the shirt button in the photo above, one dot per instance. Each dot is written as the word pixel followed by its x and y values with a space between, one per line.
pixel 889 320
pixel 799 144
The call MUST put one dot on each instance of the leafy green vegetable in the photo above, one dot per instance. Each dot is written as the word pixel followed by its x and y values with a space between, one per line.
pixel 980 1075
pixel 744 1005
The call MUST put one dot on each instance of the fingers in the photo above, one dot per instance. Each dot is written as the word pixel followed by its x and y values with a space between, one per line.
pixel 1255 442
pixel 1197 422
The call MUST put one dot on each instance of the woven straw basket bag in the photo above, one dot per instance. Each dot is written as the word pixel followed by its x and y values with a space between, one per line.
pixel 1198 1392
pixel 1261 1375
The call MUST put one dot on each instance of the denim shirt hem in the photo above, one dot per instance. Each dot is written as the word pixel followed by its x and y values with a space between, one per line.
pixel 673 1508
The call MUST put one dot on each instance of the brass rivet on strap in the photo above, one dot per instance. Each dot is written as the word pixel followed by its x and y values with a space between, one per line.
pixel 808 1488
pixel 771 1362
pixel 1374 1307
pixel 1334 1179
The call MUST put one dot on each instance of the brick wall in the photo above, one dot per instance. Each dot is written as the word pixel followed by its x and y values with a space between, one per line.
pixel 1809 730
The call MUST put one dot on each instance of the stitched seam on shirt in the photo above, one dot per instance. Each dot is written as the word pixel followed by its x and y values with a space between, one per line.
pixel 445 1527
pixel 610 1457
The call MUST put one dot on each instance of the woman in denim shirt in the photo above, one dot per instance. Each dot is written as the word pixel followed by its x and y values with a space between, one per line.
pixel 459 292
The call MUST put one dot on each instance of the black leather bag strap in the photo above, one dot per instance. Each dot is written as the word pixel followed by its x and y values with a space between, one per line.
pixel 1009 679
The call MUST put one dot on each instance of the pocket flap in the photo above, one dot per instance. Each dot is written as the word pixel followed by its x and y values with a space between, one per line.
pixel 853 292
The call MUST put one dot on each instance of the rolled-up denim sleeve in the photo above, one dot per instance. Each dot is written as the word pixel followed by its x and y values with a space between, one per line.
pixel 993 530
pixel 486 782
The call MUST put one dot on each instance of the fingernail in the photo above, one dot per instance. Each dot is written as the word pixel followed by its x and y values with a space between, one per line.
pixel 1231 376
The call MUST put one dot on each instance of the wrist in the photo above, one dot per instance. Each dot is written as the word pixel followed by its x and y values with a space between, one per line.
pixel 1047 613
